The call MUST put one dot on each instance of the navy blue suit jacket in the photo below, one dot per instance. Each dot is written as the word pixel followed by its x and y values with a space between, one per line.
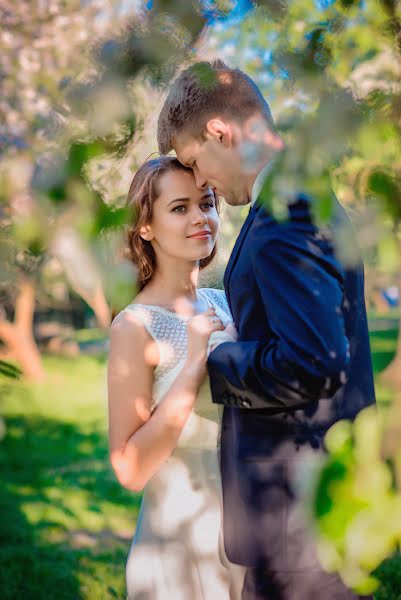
pixel 301 363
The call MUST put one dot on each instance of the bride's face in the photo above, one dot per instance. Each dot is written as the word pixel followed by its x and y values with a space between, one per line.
pixel 185 220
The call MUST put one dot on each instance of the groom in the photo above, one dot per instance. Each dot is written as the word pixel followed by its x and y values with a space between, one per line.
pixel 302 360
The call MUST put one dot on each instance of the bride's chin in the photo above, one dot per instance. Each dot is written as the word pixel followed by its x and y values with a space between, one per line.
pixel 203 255
pixel 207 252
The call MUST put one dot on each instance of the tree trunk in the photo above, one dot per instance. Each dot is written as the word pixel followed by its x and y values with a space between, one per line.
pixel 18 336
pixel 98 304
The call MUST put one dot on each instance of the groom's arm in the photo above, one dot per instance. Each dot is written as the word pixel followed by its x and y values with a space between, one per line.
pixel 300 283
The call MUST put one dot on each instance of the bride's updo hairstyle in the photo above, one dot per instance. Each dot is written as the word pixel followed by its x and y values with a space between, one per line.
pixel 143 192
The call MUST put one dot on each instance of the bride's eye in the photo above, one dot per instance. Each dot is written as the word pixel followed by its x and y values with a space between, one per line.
pixel 179 209
pixel 208 205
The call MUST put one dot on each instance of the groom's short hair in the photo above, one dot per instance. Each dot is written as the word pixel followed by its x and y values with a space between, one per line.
pixel 206 90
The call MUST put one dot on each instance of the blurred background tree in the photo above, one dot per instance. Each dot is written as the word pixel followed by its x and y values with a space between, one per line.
pixel 43 46
pixel 81 85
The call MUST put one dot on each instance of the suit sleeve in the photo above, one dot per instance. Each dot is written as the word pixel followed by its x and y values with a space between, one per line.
pixel 306 357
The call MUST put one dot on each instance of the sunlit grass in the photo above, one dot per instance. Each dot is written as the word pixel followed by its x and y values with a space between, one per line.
pixel 89 335
pixel 75 391
pixel 383 347
pixel 66 524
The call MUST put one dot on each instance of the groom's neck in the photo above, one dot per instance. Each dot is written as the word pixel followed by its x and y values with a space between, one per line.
pixel 255 176
pixel 264 162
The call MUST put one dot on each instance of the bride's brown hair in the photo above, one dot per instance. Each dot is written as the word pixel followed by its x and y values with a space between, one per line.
pixel 143 192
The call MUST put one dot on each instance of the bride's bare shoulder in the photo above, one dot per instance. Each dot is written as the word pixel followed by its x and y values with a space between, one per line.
pixel 130 335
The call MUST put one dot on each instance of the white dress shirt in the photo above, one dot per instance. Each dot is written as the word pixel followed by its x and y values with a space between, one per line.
pixel 259 181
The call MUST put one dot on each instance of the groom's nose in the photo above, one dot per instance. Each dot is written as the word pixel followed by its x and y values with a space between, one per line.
pixel 200 181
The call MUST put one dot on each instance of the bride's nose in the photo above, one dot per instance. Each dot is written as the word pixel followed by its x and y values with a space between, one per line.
pixel 199 217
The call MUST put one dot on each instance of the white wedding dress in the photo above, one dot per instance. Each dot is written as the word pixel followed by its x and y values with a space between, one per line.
pixel 177 551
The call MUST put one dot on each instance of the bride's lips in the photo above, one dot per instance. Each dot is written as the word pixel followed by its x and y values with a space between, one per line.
pixel 200 235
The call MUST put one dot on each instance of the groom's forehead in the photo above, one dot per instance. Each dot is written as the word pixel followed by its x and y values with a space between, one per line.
pixel 184 146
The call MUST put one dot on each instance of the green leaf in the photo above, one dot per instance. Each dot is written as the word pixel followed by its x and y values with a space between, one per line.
pixel 9 370
pixel 110 217
pixel 349 3
pixel 332 472
pixel 384 185
pixel 80 154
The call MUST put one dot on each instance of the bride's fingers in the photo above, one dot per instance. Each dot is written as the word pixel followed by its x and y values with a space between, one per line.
pixel 216 324
pixel 208 321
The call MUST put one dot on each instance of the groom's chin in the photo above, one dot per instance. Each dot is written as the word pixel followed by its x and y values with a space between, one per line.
pixel 235 201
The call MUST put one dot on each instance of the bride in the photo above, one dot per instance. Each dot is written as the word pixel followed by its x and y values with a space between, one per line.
pixel 163 427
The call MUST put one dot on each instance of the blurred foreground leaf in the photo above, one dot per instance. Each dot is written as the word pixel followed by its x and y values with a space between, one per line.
pixel 9 370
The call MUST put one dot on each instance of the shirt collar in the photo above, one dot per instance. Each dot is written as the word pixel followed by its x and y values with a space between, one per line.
pixel 259 181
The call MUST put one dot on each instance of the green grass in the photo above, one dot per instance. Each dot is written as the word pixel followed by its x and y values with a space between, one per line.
pixel 66 524
pixel 89 335
pixel 383 346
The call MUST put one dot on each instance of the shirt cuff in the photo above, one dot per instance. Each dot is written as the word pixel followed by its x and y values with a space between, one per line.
pixel 217 338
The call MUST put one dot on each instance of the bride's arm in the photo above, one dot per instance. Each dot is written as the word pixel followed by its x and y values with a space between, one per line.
pixel 141 440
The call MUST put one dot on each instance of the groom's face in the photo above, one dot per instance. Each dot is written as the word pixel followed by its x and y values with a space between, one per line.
pixel 215 164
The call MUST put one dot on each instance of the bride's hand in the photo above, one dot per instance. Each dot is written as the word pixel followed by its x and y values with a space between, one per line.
pixel 199 330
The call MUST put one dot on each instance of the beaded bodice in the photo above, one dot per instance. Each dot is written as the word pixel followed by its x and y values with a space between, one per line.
pixel 169 332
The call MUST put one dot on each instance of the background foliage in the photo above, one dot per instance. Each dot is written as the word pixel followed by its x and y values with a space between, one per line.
pixel 81 84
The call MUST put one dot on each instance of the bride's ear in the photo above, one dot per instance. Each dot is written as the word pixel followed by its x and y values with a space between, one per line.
pixel 146 233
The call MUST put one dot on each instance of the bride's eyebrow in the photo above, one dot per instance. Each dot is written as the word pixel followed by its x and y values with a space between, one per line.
pixel 178 200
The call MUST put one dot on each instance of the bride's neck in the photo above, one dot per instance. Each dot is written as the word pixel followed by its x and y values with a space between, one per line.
pixel 168 285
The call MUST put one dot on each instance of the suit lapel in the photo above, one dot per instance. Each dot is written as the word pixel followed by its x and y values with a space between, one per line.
pixel 237 247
